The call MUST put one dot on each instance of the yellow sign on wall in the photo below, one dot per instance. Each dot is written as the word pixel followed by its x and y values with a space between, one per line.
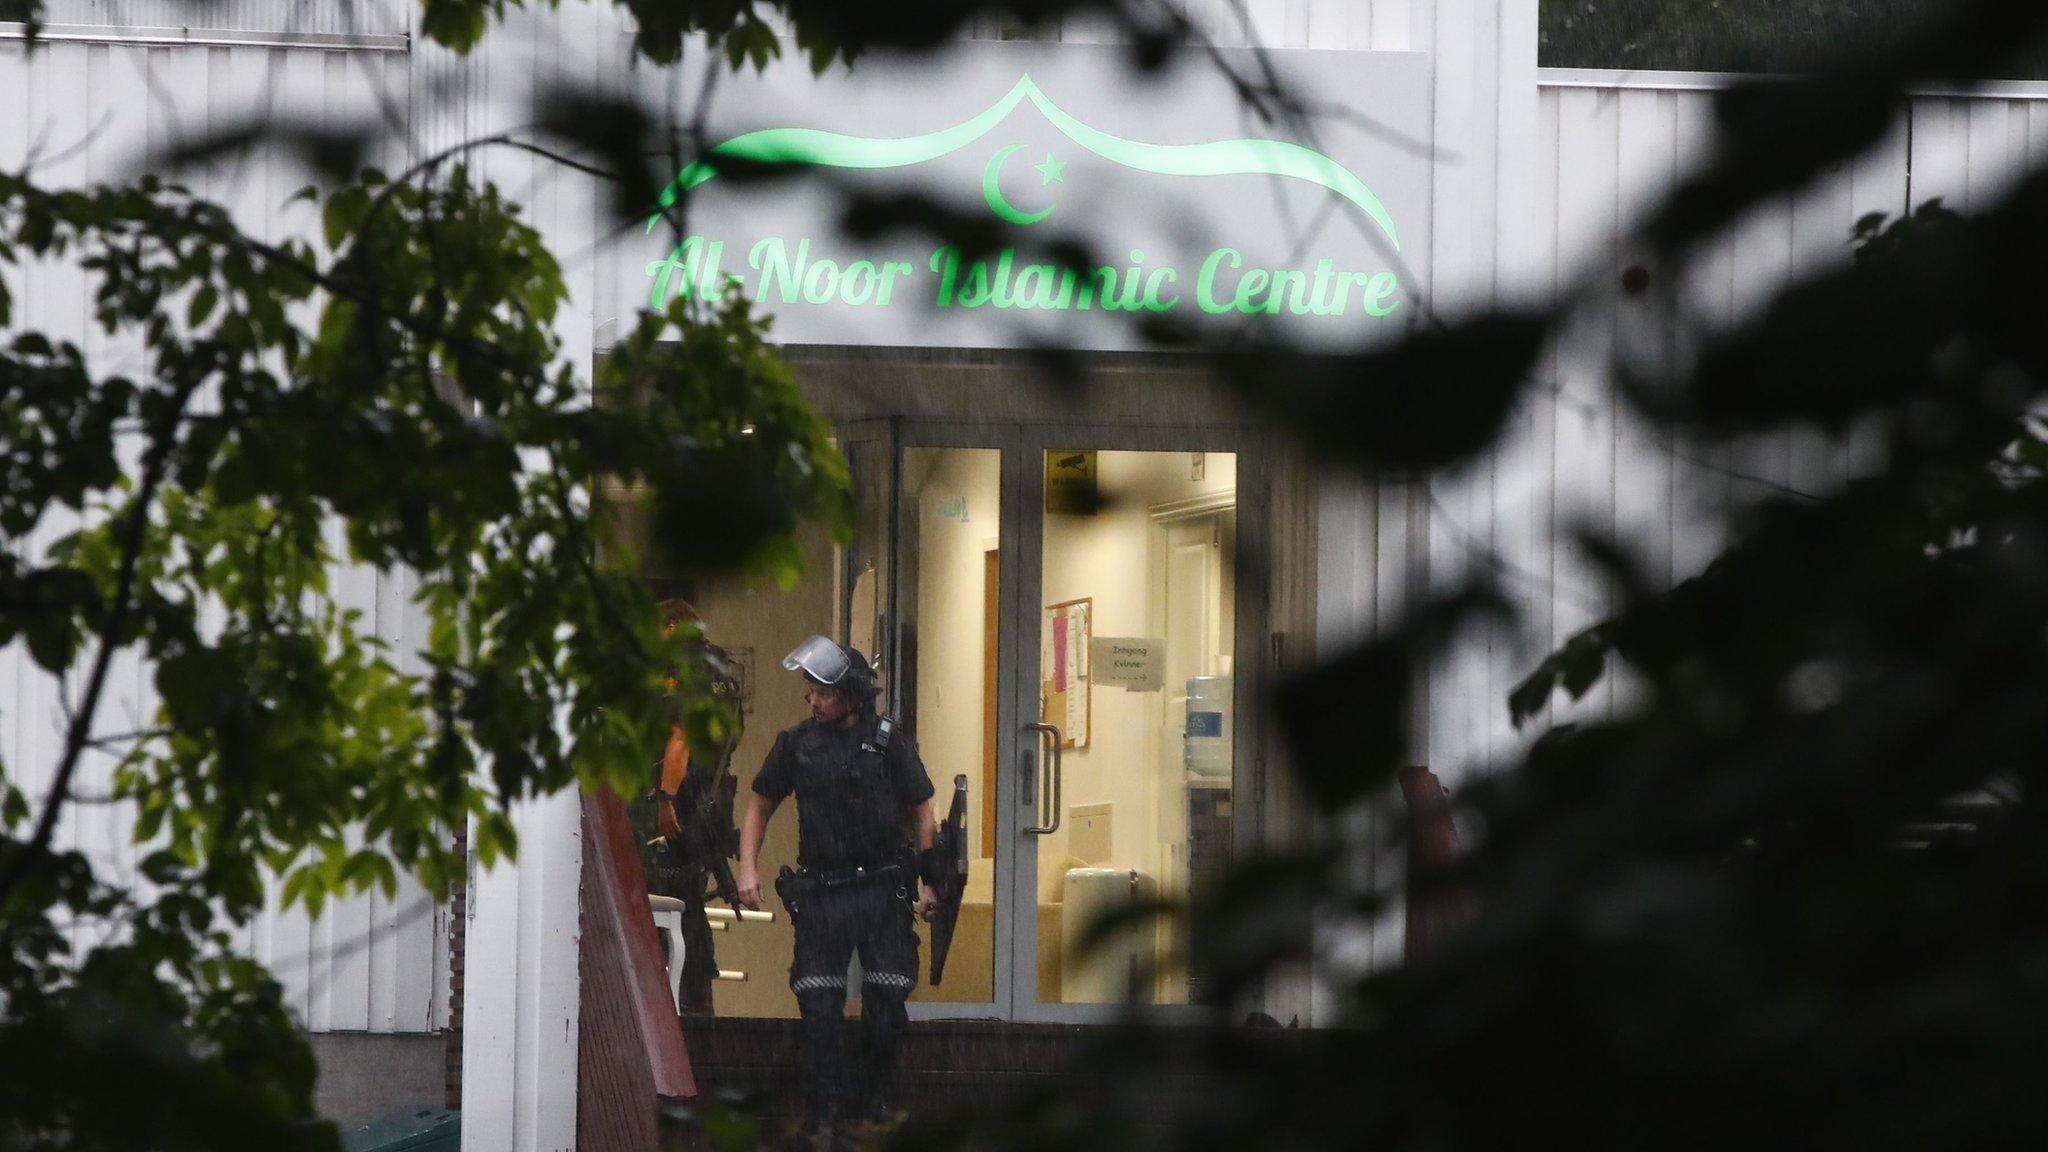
pixel 1070 488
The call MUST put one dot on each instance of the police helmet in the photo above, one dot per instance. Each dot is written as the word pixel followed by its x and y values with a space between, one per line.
pixel 834 665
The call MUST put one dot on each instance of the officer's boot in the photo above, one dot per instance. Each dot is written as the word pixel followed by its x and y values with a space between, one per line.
pixel 883 1019
pixel 826 1091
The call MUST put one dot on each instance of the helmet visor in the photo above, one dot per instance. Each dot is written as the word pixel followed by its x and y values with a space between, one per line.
pixel 820 659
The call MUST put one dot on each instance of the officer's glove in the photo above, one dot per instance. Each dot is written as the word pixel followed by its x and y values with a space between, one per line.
pixel 932 866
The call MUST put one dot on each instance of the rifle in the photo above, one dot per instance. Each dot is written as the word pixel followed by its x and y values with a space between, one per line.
pixel 705 837
pixel 946 871
pixel 693 820
pixel 723 841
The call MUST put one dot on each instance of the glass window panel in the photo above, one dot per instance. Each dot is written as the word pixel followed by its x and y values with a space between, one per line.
pixel 948 581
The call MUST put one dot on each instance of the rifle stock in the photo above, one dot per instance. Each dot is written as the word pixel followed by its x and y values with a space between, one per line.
pixel 951 848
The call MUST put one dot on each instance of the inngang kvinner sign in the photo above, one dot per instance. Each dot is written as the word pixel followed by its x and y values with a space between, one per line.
pixel 1195 209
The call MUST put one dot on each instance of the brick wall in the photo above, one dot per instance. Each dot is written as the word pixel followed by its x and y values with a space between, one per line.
pixel 458 931
pixel 614 1084
pixel 629 1042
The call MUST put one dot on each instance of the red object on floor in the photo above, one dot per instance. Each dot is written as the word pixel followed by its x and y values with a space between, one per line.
pixel 1432 846
pixel 630 1050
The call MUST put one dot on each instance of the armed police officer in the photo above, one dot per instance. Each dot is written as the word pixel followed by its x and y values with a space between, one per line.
pixel 683 820
pixel 864 822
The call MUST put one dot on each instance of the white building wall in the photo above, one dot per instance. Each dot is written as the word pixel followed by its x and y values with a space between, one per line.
pixel 333 17
pixel 87 111
pixel 1606 147
pixel 521 979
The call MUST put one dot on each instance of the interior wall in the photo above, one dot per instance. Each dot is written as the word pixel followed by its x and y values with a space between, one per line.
pixel 757 625
pixel 956 494
pixel 950 512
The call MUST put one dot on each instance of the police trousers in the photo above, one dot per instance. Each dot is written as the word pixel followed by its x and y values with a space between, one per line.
pixel 700 961
pixel 871 916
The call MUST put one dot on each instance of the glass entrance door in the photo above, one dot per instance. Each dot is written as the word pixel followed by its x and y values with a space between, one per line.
pixel 954 562
pixel 1056 618
pixel 1128 628
pixel 1063 630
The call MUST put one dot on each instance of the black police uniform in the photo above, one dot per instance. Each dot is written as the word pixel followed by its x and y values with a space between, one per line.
pixel 681 865
pixel 858 888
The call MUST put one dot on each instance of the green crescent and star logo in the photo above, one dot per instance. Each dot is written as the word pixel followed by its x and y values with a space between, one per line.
pixel 791 274
pixel 991 187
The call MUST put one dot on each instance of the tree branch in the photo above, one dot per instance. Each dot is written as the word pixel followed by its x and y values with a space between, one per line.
pixel 132 736
pixel 119 608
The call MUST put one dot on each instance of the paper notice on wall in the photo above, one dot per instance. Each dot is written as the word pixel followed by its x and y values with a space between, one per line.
pixel 1064 665
pixel 1137 663
pixel 1077 715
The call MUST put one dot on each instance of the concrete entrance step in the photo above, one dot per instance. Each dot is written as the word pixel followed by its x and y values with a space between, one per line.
pixel 947 1065
pixel 943 1062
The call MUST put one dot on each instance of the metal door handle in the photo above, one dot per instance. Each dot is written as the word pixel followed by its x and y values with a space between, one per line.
pixel 1036 764
pixel 1058 782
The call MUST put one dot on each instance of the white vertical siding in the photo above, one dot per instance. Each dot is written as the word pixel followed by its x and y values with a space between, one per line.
pixel 84 113
pixel 382 17
pixel 520 1005
pixel 1588 228
pixel 1386 25
pixel 1454 519
pixel 1967 149
pixel 1575 159
pixel 1607 146
pixel 1647 140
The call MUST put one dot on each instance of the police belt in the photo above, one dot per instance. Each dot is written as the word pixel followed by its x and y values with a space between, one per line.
pixel 849 876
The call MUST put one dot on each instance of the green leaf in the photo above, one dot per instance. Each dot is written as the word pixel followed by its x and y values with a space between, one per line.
pixel 203 303
pixel 730 1129
pixel 195 681
pixel 751 42
pixel 161 867
pixel 13 808
pixel 496 839
pixel 52 640
pixel 344 214
pixel 150 819
pixel 453 24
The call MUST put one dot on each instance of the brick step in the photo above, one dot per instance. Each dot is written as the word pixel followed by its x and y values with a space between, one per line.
pixel 935 1045
pixel 946 1066
pixel 777 1089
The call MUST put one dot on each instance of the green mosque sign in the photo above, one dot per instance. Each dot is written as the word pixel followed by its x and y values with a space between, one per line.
pixel 1051 171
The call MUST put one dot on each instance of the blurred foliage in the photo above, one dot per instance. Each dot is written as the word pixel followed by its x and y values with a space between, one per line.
pixel 1769 36
pixel 1790 893
pixel 393 396
pixel 824 31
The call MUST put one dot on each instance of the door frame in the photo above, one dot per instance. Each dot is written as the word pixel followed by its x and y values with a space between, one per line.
pixel 1006 438
pixel 1023 445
